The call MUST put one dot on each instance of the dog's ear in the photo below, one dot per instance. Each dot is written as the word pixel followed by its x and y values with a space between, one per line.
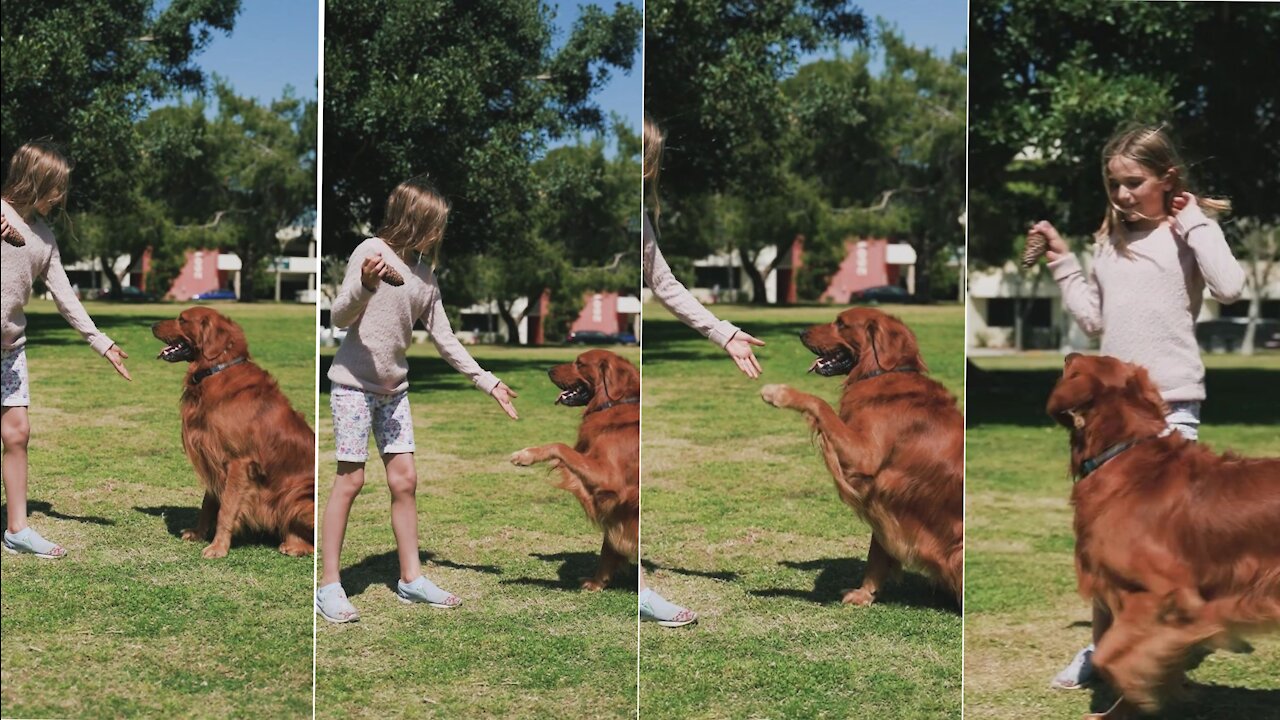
pixel 1069 395
pixel 1139 390
pixel 892 345
pixel 616 374
pixel 218 335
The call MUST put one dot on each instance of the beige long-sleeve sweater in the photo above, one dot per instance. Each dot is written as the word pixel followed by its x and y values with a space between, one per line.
pixel 39 258
pixel 675 297
pixel 1144 292
pixel 380 326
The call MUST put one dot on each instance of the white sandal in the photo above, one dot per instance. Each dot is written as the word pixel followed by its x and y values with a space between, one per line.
pixel 332 604
pixel 28 542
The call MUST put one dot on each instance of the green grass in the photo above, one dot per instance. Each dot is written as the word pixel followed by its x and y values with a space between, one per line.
pixel 527 642
pixel 742 523
pixel 134 622
pixel 1023 618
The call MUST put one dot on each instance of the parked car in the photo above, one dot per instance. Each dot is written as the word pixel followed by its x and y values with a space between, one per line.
pixel 129 294
pixel 1227 334
pixel 882 294
pixel 626 338
pixel 215 295
pixel 591 337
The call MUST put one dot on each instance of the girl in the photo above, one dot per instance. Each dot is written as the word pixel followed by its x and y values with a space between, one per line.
pixel 680 302
pixel 36 183
pixel 1155 253
pixel 370 382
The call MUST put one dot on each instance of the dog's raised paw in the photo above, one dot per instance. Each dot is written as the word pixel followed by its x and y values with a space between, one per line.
pixel 773 394
pixel 522 458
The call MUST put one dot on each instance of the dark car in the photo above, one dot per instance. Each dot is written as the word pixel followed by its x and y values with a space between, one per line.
pixel 129 294
pixel 882 294
pixel 1227 334
pixel 626 338
pixel 215 295
pixel 591 337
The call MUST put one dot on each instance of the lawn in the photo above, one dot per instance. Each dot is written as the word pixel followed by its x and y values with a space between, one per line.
pixel 742 523
pixel 1023 618
pixel 133 622
pixel 527 641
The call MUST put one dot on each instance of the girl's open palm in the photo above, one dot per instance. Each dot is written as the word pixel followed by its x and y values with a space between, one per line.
pixel 116 357
pixel 739 348
pixel 504 395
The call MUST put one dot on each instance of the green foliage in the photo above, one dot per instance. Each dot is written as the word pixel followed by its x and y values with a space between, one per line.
pixel 81 72
pixel 469 92
pixel 1057 79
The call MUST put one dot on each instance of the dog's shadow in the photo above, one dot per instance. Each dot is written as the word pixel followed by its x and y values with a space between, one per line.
pixel 722 575
pixel 384 569
pixel 178 518
pixel 837 575
pixel 1205 702
pixel 574 568
pixel 46 509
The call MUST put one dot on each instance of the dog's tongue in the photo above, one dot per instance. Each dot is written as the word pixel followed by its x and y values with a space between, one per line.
pixel 816 362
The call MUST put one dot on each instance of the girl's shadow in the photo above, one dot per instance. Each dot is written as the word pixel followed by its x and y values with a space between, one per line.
pixel 44 508
pixel 384 569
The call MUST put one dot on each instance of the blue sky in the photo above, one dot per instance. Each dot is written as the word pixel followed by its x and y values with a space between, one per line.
pixel 939 24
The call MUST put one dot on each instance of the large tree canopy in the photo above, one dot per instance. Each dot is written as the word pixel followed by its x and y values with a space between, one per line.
pixel 466 91
pixel 1052 81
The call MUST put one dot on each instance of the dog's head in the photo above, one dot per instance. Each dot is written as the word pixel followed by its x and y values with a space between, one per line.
pixel 201 336
pixel 862 341
pixel 1095 385
pixel 596 377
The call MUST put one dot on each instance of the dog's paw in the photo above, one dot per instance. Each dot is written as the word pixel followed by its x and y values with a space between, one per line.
pixel 859 597
pixel 296 548
pixel 592 585
pixel 774 394
pixel 522 458
pixel 192 536
pixel 214 551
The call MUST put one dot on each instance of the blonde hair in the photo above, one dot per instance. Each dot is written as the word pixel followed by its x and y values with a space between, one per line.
pixel 1152 147
pixel 38 171
pixel 654 141
pixel 415 218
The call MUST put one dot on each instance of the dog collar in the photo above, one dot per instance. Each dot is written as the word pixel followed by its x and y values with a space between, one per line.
pixel 611 403
pixel 202 374
pixel 878 373
pixel 1101 458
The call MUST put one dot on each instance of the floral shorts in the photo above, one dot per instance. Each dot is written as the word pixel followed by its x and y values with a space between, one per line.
pixel 16 392
pixel 355 412
pixel 1184 417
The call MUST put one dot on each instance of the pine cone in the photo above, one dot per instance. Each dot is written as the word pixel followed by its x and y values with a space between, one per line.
pixel 392 278
pixel 1037 244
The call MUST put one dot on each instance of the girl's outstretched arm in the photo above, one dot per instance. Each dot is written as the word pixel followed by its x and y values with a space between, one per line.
pixel 1219 268
pixel 676 298
pixel 436 321
pixel 64 296
pixel 1079 294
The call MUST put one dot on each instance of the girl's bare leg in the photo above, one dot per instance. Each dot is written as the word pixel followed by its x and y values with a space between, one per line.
pixel 15 431
pixel 346 486
pixel 402 479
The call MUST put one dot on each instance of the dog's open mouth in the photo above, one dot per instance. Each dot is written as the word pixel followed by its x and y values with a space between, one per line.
pixel 176 351
pixel 835 361
pixel 575 395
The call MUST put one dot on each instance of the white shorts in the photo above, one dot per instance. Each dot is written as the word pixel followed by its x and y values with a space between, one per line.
pixel 15 390
pixel 355 412
pixel 1185 418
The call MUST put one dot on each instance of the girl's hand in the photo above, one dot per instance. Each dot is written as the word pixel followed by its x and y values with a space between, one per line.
pixel 739 348
pixel 504 395
pixel 1057 247
pixel 116 357
pixel 372 270
pixel 1180 202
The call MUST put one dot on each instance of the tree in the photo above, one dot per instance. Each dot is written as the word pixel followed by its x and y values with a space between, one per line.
pixel 469 92
pixel 82 72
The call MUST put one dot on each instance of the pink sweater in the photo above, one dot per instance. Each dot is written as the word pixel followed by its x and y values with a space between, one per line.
pixel 380 326
pixel 39 258
pixel 675 297
pixel 1143 295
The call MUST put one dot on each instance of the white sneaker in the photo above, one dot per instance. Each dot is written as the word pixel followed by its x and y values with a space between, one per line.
pixel 332 604
pixel 1077 674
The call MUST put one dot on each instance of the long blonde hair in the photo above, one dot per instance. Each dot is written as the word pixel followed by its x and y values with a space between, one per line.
pixel 654 141
pixel 37 171
pixel 415 218
pixel 1151 147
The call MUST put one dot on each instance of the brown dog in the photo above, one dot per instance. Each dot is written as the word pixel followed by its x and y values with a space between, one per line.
pixel 1181 545
pixel 253 453
pixel 896 450
pixel 603 469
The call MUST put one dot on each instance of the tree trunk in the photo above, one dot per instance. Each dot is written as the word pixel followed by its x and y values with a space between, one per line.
pixel 111 275
pixel 1251 332
pixel 511 321
pixel 924 287
pixel 759 296
pixel 246 274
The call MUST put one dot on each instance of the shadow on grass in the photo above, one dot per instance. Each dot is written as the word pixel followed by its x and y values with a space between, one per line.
pixel 1237 396
pixel 44 508
pixel 384 569
pixel 576 567
pixel 46 325
pixel 837 575
pixel 1205 702
pixel 178 518
pixel 723 575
